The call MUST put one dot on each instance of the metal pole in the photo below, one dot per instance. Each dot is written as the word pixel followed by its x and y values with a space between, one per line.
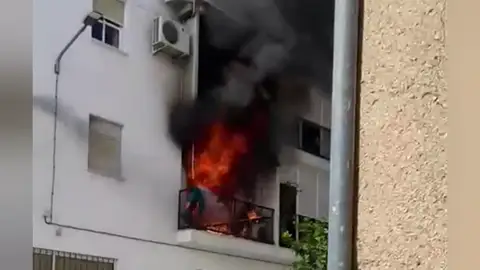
pixel 344 82
pixel 64 50
pixel 56 69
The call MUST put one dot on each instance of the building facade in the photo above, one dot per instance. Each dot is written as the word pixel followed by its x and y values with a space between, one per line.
pixel 402 212
pixel 106 175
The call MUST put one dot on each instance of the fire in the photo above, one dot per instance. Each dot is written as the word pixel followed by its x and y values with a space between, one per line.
pixel 211 166
pixel 218 229
pixel 252 215
pixel 224 228
pixel 222 161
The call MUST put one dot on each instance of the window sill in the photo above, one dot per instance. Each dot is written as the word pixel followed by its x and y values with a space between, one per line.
pixel 108 47
pixel 312 160
pixel 235 246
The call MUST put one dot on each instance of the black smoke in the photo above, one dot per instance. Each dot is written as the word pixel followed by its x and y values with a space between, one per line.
pixel 256 62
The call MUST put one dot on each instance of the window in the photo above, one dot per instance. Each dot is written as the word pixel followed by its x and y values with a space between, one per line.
pixel 44 259
pixel 314 139
pixel 108 28
pixel 104 147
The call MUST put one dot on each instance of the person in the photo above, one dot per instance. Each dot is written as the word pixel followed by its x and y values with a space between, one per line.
pixel 194 207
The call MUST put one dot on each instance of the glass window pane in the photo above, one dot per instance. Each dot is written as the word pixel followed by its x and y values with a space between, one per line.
pixel 97 31
pixel 112 36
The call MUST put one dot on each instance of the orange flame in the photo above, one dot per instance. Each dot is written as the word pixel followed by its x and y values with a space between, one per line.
pixel 210 166
pixel 219 229
pixel 252 215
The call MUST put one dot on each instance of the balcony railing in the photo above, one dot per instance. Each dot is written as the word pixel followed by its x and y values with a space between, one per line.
pixel 242 219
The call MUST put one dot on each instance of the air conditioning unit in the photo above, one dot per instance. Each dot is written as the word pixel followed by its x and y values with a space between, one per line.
pixel 170 37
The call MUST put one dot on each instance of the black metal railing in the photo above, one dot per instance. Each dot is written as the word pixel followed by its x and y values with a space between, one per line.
pixel 245 220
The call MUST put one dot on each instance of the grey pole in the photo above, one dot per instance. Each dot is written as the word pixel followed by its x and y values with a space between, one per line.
pixel 89 20
pixel 344 82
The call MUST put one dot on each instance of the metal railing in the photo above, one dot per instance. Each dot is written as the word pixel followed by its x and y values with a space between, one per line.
pixel 45 259
pixel 245 220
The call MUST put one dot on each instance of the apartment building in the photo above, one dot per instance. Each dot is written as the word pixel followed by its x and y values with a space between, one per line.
pixel 108 180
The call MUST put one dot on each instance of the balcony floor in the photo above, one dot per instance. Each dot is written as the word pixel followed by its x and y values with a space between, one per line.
pixel 234 246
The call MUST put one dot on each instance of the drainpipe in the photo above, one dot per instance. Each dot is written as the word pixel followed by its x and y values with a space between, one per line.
pixel 344 92
pixel 89 20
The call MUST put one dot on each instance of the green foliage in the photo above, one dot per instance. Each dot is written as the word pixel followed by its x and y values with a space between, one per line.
pixel 311 247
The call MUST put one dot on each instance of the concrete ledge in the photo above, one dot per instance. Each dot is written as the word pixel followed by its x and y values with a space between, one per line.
pixel 235 246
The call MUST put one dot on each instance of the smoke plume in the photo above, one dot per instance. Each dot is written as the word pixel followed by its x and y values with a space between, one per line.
pixel 258 62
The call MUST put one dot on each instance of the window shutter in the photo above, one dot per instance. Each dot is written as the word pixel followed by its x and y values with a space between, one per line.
pixel 111 9
pixel 104 147
pixel 42 261
pixel 60 263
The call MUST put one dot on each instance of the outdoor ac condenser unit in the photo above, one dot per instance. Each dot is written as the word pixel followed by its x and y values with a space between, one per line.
pixel 170 37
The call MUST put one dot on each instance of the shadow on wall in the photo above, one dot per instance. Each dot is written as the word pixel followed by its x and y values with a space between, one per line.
pixel 66 115
pixel 78 129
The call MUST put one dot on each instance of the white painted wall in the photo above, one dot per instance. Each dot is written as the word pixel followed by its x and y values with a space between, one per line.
pixel 131 87
pixel 311 173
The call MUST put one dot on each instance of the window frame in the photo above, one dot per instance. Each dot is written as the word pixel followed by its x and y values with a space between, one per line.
pixel 321 130
pixel 105 172
pixel 104 22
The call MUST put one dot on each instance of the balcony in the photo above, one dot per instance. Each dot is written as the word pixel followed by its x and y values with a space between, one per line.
pixel 238 228
pixel 237 218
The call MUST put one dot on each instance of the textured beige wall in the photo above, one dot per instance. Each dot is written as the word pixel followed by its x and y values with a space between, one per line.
pixel 403 163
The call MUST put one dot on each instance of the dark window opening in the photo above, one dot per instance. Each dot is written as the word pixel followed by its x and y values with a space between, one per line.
pixel 97 31
pixel 107 32
pixel 313 139
pixel 112 36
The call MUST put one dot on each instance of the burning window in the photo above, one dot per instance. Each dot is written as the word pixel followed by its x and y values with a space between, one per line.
pixel 233 133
